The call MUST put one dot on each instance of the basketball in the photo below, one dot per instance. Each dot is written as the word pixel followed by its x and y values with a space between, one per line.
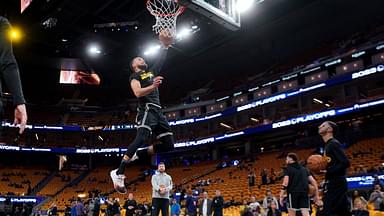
pixel 165 37
pixel 316 163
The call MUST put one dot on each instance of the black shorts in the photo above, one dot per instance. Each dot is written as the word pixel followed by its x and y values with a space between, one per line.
pixel 153 119
pixel 298 201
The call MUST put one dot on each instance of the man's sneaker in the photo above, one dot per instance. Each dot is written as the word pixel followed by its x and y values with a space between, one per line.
pixel 118 182
pixel 134 157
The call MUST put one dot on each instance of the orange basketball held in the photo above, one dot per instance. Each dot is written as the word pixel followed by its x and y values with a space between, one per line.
pixel 165 37
pixel 316 163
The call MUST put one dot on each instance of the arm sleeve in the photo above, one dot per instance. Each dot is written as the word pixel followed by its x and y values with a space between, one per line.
pixel 10 73
pixel 285 172
pixel 156 67
pixel 170 186
pixel 155 185
pixel 342 160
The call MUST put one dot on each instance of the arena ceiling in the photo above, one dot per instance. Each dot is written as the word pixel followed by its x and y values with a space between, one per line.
pixel 275 32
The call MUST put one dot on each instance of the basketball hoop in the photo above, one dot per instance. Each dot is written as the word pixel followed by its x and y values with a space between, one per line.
pixel 165 12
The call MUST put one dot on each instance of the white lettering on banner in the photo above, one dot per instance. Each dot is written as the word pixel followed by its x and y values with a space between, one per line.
pixel 41 149
pixel 48 127
pixel 12 148
pixel 230 135
pixel 261 102
pixel 23 200
pixel 332 62
pixel 368 71
pixel 184 121
pixel 303 119
pixel 209 117
pixel 92 151
pixel 193 143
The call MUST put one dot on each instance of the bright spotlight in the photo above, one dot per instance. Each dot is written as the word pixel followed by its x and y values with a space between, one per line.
pixel 243 5
pixel 152 50
pixel 94 50
pixel 183 33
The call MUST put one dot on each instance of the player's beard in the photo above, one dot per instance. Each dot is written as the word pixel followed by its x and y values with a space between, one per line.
pixel 143 67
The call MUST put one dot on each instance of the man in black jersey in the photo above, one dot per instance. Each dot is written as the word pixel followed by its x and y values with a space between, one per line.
pixel 150 119
pixel 336 188
pixel 296 182
pixel 9 72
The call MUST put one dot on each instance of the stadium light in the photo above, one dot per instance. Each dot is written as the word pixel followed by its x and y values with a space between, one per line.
pixel 152 50
pixel 183 33
pixel 244 5
pixel 15 34
pixel 94 50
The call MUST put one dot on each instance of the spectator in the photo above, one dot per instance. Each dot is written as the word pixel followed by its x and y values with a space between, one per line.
pixel 52 211
pixel 80 211
pixel 264 177
pixel 376 197
pixel 356 195
pixel 116 207
pixel 67 211
pixel 191 204
pixel 244 209
pixel 130 205
pixel 205 207
pixel 96 208
pixel 73 208
pixel 359 208
pixel 109 210
pixel 254 206
pixel 251 179
pixel 218 204
pixel 161 187
pixel 273 210
pixel 268 199
pixel 175 208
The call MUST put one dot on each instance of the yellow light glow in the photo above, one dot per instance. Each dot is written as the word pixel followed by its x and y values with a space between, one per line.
pixel 15 34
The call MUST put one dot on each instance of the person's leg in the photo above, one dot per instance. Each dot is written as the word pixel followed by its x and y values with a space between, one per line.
pixel 164 134
pixel 164 206
pixel 335 198
pixel 304 203
pixel 155 207
pixel 292 204
pixel 141 135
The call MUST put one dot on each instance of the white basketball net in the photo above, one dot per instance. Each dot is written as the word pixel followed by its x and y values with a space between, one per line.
pixel 165 12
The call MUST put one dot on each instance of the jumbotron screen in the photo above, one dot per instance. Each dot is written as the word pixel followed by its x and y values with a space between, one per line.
pixel 79 77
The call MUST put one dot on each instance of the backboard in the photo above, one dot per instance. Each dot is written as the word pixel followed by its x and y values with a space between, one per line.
pixel 222 12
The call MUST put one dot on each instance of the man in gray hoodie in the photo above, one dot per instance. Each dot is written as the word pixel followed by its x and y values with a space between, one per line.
pixel 161 187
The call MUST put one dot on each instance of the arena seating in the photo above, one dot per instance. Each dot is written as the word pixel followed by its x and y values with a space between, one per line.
pixel 21 177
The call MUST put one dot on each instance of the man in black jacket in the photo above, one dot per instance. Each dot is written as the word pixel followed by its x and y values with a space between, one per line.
pixel 336 188
pixel 130 205
pixel 218 204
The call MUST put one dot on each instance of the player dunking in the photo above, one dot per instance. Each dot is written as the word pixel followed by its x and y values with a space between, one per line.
pixel 150 119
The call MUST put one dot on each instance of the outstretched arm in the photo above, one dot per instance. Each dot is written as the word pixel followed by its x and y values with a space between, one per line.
pixel 160 61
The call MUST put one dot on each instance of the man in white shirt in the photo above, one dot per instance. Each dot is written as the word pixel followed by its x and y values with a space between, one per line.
pixel 205 207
